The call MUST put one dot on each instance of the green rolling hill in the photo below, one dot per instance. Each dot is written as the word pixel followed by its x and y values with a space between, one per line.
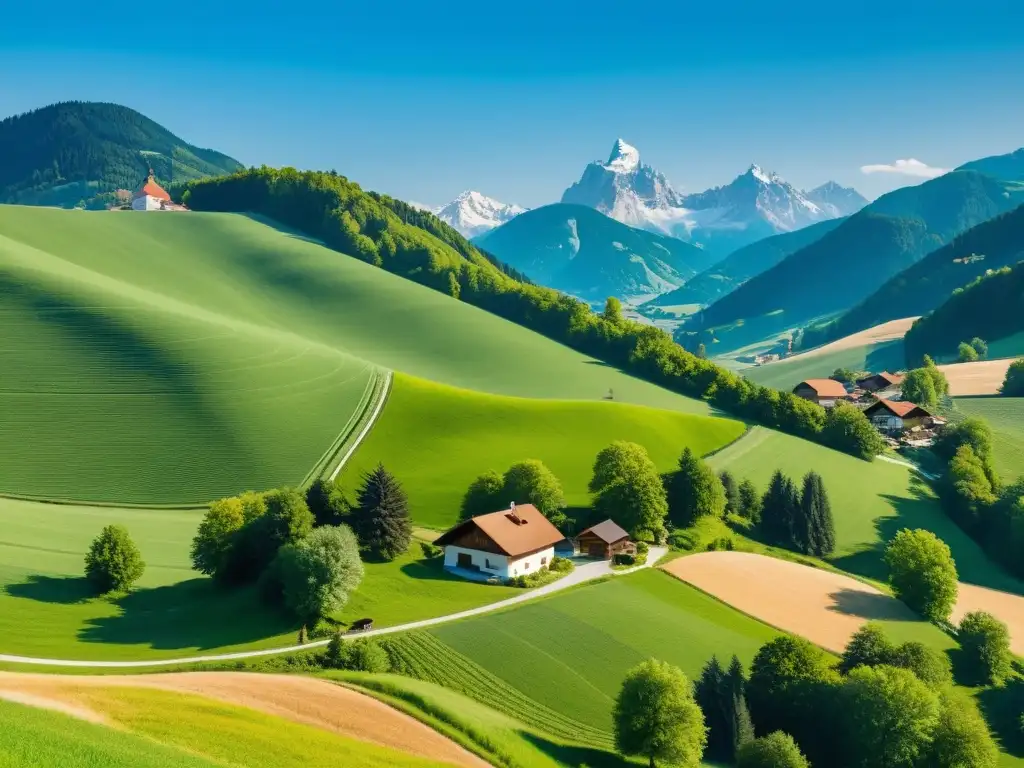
pixel 78 153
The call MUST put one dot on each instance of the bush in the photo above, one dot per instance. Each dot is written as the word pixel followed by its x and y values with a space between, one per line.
pixel 684 540
pixel 318 574
pixel 986 648
pixel 113 562
pixel 776 750
pixel 1013 384
pixel 922 573
pixel 363 655
pixel 966 353
pixel 516 581
pixel 430 551
pixel 642 548
pixel 623 558
pixel 561 565
pixel 722 543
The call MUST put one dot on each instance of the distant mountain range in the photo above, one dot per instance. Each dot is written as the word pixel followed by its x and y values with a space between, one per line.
pixel 753 206
pixel 582 252
pixel 472 213
pixel 78 153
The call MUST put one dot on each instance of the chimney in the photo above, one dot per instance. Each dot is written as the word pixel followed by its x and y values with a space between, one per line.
pixel 512 514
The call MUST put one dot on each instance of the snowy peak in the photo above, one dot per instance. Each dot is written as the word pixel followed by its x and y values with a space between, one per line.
pixel 472 213
pixel 758 174
pixel 836 199
pixel 624 158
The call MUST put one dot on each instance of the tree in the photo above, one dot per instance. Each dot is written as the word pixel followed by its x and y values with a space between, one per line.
pixel 919 387
pixel 889 717
pixel 844 375
pixel 1013 384
pixel 287 519
pixel 380 517
pixel 732 493
pixel 113 562
pixel 980 346
pixel 776 750
pixel 362 655
pixel 985 641
pixel 868 647
pixel 961 739
pixel 530 482
pixel 971 431
pixel 741 726
pixel 969 487
pixel 922 573
pixel 702 351
pixel 612 311
pixel 694 491
pixel 215 537
pixel 966 353
pixel 750 502
pixel 939 381
pixel 847 429
pixel 327 503
pixel 320 572
pixel 656 717
pixel 627 486
pixel 483 496
pixel 819 537
pixel 930 665
pixel 779 510
pixel 709 693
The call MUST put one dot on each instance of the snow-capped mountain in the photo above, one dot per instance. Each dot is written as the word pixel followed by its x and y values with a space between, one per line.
pixel 837 200
pixel 473 214
pixel 755 205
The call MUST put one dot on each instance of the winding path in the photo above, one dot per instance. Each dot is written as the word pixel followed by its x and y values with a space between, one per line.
pixel 583 573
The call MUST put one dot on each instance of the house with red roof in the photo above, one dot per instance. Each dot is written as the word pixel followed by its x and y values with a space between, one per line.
pixel 824 392
pixel 151 196
pixel 897 415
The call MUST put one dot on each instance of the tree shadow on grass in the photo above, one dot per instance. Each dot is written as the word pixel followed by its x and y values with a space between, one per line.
pixel 1002 708
pixel 429 569
pixel 190 614
pixel 62 590
pixel 868 605
pixel 575 755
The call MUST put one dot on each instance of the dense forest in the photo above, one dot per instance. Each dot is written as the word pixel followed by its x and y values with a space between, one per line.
pixel 742 264
pixel 78 153
pixel 416 245
pixel 993 244
pixel 991 307
pixel 1009 167
pixel 845 266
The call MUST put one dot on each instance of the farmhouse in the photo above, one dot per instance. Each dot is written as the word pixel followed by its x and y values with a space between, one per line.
pixel 878 382
pixel 512 542
pixel 893 416
pixel 605 540
pixel 821 391
pixel 150 196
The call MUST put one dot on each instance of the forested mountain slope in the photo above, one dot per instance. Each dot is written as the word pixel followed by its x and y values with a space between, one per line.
pixel 583 252
pixel 743 264
pixel 922 287
pixel 1008 167
pixel 80 152
pixel 852 261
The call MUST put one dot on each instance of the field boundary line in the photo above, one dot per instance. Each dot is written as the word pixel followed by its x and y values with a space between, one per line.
pixel 374 415
pixel 597 570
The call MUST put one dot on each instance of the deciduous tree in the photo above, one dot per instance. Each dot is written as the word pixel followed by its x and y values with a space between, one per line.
pixel 868 647
pixel 961 738
pixel 319 572
pixel 694 491
pixel 656 717
pixel 113 562
pixel 732 492
pixel 919 387
pixel 628 488
pixel 750 502
pixel 776 750
pixel 985 641
pixel 215 537
pixel 922 573
pixel 380 517
pixel 483 496
pixel 530 482
pixel 1013 384
pixel 966 353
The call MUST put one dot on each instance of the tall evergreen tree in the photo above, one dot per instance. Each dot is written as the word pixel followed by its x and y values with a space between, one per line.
pixel 750 502
pixel 817 511
pixel 710 693
pixel 694 491
pixel 741 726
pixel 779 511
pixel 380 518
pixel 732 493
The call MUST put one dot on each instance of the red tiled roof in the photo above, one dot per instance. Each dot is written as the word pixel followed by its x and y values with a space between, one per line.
pixel 825 387
pixel 901 408
pixel 151 188
pixel 533 532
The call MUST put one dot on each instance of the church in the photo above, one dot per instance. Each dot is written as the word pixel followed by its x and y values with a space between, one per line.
pixel 152 197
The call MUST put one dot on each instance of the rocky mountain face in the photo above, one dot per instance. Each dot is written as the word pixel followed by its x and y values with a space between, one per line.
pixel 473 214
pixel 755 205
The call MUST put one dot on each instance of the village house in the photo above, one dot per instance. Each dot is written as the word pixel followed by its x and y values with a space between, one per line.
pixel 824 392
pixel 152 197
pixel 511 542
pixel 604 541
pixel 897 416
pixel 879 382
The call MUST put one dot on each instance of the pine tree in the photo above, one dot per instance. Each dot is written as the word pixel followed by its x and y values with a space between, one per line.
pixel 817 511
pixel 380 518
pixel 779 512
pixel 741 726
pixel 710 694
pixel 750 502
pixel 732 493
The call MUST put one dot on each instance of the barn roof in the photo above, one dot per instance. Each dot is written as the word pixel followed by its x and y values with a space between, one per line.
pixel 151 188
pixel 824 387
pixel 609 532
pixel 515 532
pixel 893 379
pixel 901 408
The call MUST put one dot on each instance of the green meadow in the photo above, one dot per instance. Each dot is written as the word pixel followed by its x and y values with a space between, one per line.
pixel 436 439
pixel 1006 417
pixel 786 374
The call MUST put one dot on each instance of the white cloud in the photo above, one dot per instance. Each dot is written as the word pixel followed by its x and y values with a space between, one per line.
pixel 910 167
pixel 421 206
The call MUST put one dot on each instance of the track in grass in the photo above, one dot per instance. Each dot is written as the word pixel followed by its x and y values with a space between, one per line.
pixel 437 439
pixel 570 652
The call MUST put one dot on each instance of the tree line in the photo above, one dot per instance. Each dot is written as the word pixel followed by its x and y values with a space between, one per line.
pixel 416 245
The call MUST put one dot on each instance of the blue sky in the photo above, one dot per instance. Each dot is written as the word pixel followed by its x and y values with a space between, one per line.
pixel 423 100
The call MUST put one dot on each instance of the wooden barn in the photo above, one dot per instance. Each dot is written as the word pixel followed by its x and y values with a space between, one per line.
pixel 896 416
pixel 825 392
pixel 879 382
pixel 605 540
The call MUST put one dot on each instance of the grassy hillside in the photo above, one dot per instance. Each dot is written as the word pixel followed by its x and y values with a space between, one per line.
pixel 1006 417
pixel 743 264
pixel 786 374
pixel 852 261
pixel 80 152
pixel 193 356
pixel 582 252
pixel 613 626
pixel 930 282
pixel 437 440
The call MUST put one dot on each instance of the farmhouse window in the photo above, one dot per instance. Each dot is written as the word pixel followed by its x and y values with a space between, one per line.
pixel 526 565
pixel 543 561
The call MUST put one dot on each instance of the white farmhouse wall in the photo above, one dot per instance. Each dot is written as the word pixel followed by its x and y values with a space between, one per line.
pixel 146 203
pixel 499 565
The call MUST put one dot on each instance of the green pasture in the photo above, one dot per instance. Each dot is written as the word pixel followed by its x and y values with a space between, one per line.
pixel 871 501
pixel 175 359
pixel 47 610
pixel 1006 417
pixel 786 374
pixel 570 652
pixel 437 439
